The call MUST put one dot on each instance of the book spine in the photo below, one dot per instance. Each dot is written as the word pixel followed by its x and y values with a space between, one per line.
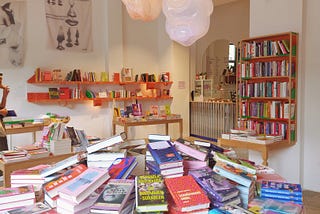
pixel 281 197
pixel 280 192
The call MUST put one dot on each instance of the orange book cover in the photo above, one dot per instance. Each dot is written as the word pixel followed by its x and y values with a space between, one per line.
pixel 186 194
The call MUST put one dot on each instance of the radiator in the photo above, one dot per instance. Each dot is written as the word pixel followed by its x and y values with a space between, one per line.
pixel 208 120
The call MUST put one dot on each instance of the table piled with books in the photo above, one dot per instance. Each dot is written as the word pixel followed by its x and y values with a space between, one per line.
pixel 156 175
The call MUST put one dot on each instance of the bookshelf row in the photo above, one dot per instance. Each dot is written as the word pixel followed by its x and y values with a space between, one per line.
pixel 267 85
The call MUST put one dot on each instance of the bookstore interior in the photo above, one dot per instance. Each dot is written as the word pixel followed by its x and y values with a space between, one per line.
pixel 84 135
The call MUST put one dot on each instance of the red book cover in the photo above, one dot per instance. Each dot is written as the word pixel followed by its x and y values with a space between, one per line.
pixel 186 194
pixel 52 186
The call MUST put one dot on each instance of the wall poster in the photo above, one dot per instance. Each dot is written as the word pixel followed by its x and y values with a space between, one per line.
pixel 12 17
pixel 69 25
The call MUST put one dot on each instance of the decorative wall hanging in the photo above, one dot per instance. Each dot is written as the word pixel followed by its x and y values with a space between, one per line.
pixel 187 20
pixel 69 25
pixel 145 10
pixel 12 16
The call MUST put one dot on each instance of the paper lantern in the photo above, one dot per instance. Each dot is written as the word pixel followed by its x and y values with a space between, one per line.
pixel 145 10
pixel 187 20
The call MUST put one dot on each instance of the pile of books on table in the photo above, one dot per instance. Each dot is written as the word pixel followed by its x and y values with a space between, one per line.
pixel 10 156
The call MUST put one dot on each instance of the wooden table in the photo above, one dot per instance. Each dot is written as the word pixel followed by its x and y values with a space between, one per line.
pixel 7 168
pixel 262 148
pixel 25 129
pixel 166 122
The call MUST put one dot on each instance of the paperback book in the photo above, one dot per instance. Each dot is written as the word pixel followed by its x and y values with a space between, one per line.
pixel 282 188
pixel 13 194
pixel 165 155
pixel 186 194
pixel 122 167
pixel 151 193
pixel 191 150
pixel 104 143
pixel 114 196
pixel 83 185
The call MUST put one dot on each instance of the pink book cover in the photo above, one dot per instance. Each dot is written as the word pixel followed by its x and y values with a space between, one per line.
pixel 270 177
pixel 194 164
pixel 84 184
pixel 188 150
pixel 16 193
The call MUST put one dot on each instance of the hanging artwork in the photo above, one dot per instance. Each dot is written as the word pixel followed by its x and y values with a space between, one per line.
pixel 12 16
pixel 69 25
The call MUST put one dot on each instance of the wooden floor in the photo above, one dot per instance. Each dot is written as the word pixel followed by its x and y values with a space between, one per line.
pixel 311 201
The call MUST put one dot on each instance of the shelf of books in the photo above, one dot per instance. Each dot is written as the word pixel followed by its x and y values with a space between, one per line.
pixel 267 84
pixel 84 87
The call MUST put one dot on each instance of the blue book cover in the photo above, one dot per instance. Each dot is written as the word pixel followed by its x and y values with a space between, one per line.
pixel 281 197
pixel 165 155
pixel 121 167
pixel 281 188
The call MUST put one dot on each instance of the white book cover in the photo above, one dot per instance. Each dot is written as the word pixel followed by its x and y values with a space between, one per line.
pixel 104 143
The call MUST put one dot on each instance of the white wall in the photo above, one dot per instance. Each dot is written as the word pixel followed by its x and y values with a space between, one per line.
pixel 271 17
pixel 309 99
pixel 118 41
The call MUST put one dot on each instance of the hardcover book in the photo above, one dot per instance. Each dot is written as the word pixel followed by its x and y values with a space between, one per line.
pixel 84 184
pixel 165 155
pixel 104 143
pixel 52 187
pixel 114 196
pixel 216 186
pixel 151 193
pixel 122 167
pixel 186 194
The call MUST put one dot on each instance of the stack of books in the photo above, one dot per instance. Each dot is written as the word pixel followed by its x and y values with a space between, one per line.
pixel 219 190
pixel 166 159
pixel 281 191
pixel 114 197
pixel 185 195
pixel 14 197
pixel 193 155
pixel 61 146
pixel 33 151
pixel 122 167
pixel 30 176
pixel 263 205
pixel 241 172
pixel 66 177
pixel 78 191
pixel 105 157
pixel 151 194
pixel 10 156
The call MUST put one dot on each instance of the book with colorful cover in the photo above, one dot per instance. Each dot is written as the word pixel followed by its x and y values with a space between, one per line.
pixel 84 184
pixel 292 198
pixel 186 194
pixel 191 150
pixel 52 187
pixel 122 167
pixel 114 196
pixel 233 174
pixel 237 163
pixel 217 187
pixel 36 208
pixel 12 194
pixel 262 169
pixel 283 188
pixel 164 153
pixel 151 193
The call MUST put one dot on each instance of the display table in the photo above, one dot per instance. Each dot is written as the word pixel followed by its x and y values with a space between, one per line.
pixel 25 129
pixel 165 122
pixel 7 168
pixel 262 148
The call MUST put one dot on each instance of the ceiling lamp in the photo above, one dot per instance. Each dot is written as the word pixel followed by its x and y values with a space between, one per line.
pixel 187 20
pixel 145 10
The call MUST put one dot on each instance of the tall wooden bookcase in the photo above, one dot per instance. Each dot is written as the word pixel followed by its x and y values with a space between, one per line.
pixel 267 85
